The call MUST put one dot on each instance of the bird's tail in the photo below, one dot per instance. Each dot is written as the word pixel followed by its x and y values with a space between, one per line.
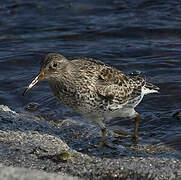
pixel 150 88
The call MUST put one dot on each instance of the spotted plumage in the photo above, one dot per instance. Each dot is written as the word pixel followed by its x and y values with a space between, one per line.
pixel 94 89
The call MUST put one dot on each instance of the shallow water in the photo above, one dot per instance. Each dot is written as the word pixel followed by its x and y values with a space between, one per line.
pixel 141 35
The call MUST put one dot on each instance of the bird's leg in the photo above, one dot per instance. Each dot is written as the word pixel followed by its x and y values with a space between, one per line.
pixel 103 138
pixel 103 129
pixel 135 137
pixel 102 142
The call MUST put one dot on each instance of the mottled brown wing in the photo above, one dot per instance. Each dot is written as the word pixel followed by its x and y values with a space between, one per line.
pixel 118 87
pixel 111 84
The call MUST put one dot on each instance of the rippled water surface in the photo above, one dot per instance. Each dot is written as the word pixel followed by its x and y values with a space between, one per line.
pixel 139 35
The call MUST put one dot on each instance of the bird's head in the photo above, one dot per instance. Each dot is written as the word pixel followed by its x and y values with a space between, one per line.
pixel 51 67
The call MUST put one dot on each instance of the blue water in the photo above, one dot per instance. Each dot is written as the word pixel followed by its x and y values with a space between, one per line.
pixel 139 35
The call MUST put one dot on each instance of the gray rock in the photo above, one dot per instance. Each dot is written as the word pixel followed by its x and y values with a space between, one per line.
pixel 30 141
pixel 12 173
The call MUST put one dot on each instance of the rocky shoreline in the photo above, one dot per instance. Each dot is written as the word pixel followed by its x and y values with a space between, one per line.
pixel 30 145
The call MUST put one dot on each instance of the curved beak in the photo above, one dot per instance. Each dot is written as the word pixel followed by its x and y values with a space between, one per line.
pixel 38 78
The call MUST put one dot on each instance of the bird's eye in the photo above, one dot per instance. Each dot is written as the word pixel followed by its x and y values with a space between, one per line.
pixel 54 65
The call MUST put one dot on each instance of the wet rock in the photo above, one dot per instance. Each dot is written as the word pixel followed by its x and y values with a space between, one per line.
pixel 31 142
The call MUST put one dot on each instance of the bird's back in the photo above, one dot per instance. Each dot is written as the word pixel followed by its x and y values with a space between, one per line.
pixel 109 83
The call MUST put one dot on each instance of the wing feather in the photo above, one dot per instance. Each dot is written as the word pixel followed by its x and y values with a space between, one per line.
pixel 114 85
